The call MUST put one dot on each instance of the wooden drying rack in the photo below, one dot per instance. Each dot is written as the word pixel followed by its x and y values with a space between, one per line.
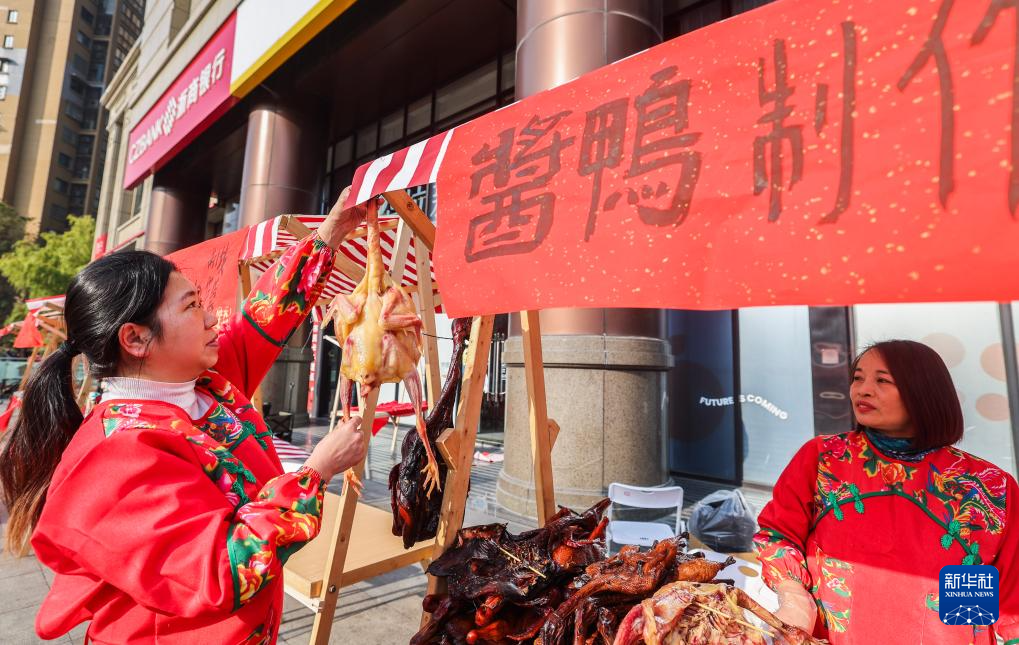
pixel 348 551
pixel 53 331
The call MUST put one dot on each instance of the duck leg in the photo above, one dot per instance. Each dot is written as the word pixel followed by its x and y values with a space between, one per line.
pixel 346 390
pixel 432 480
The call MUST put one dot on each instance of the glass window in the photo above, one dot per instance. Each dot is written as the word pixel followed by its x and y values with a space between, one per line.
pixel 367 139
pixel 86 15
pixel 8 42
pixel 419 114
pixel 776 392
pixel 5 66
pixel 343 152
pixel 12 16
pixel 509 71
pixel 968 338
pixel 67 135
pixel 85 142
pixel 463 117
pixel 60 186
pixel 64 160
pixel 466 92
pixel 739 6
pixel 3 92
pixel 138 193
pixel 392 129
pixel 701 16
pixel 83 40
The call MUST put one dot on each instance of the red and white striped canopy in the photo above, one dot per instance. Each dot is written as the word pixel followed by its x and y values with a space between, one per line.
pixel 38 307
pixel 414 166
pixel 269 239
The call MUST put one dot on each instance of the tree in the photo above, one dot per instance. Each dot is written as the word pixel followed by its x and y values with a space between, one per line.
pixel 12 230
pixel 45 266
pixel 12 227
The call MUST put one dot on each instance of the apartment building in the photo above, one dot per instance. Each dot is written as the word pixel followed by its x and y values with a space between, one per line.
pixel 56 58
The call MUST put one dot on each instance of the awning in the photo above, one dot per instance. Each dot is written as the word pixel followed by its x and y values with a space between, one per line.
pixel 269 239
pixel 51 307
pixel 416 165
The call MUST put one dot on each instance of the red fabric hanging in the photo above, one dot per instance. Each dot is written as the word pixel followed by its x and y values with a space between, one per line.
pixel 29 335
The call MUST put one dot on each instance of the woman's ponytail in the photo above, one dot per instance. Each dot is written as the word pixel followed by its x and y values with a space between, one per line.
pixel 125 287
pixel 35 444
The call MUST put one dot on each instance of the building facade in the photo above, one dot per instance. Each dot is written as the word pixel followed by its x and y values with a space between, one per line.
pixel 56 58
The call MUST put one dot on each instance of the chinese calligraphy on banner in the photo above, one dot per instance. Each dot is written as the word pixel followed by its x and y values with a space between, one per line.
pixel 807 152
pixel 212 266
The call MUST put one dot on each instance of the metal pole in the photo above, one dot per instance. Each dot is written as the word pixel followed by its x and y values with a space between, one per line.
pixel 1011 373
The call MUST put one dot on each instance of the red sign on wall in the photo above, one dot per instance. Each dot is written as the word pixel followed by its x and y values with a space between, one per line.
pixel 99 246
pixel 806 152
pixel 199 95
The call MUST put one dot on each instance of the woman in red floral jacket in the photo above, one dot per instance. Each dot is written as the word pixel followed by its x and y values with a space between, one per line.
pixel 165 513
pixel 861 523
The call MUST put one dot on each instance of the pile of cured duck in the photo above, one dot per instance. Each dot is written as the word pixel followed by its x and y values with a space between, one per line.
pixel 554 585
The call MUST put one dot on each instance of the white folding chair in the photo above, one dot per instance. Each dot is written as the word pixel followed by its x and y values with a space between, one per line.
pixel 642 533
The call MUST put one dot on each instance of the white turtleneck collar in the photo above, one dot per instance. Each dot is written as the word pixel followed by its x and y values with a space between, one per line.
pixel 183 395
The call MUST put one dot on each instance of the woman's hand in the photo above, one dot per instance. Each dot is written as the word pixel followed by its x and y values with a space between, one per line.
pixel 339 450
pixel 796 606
pixel 340 222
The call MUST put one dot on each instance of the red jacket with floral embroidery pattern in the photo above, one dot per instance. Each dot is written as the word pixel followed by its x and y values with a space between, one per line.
pixel 164 529
pixel 868 535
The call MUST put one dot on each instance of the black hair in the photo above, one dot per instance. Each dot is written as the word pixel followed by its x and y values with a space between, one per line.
pixel 125 287
pixel 926 390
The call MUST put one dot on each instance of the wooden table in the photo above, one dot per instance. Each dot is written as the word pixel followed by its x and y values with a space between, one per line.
pixel 373 550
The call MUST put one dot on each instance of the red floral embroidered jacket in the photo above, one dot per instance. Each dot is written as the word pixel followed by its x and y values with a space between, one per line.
pixel 164 529
pixel 868 535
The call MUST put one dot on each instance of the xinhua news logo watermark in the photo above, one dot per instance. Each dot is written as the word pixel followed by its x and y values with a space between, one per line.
pixel 968 595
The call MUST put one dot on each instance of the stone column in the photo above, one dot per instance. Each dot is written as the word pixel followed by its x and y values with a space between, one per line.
pixel 604 368
pixel 283 160
pixel 177 213
pixel 105 222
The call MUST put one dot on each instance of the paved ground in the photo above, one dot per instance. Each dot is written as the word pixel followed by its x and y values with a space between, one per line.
pixel 386 609
pixel 383 610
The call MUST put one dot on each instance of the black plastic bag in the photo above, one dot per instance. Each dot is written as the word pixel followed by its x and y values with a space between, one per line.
pixel 724 522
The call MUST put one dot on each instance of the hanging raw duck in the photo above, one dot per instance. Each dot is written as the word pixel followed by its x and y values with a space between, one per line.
pixel 380 335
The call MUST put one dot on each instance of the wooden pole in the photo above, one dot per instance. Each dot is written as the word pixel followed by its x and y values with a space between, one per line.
pixel 541 445
pixel 245 269
pixel 424 270
pixel 457 444
pixel 341 531
pixel 28 368
pixel 403 238
pixel 411 213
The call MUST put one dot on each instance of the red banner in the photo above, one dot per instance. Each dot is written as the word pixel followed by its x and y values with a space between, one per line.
pixel 807 152
pixel 199 95
pixel 213 268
